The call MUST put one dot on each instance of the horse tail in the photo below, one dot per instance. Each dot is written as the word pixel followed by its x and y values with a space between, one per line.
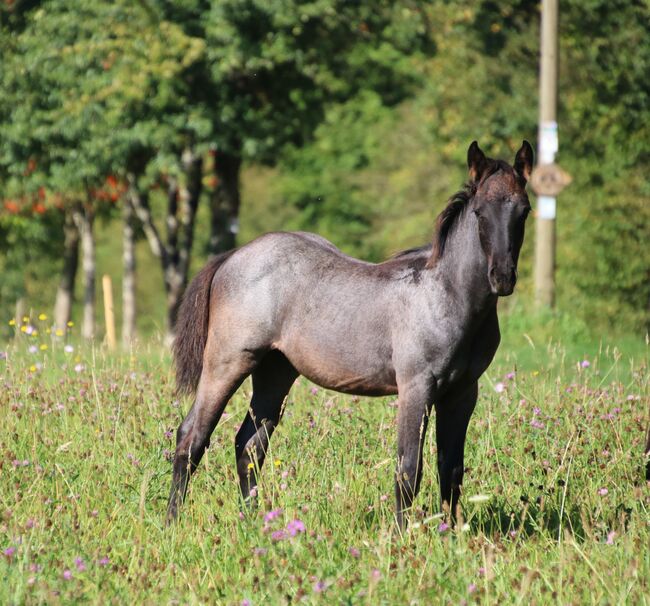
pixel 192 327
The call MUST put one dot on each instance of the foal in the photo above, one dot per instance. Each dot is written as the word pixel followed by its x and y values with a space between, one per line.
pixel 422 325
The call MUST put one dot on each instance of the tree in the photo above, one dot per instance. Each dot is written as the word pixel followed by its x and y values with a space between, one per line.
pixel 91 104
pixel 276 67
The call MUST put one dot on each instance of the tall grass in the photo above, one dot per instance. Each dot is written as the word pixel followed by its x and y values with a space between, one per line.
pixel 556 508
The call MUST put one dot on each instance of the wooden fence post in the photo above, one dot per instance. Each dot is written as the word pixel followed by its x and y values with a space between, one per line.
pixel 109 315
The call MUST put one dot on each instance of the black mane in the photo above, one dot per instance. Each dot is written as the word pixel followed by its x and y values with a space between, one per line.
pixel 455 208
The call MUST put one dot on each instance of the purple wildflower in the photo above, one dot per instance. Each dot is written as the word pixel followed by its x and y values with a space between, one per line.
pixel 104 561
pixel 585 364
pixel 443 527
pixel 603 491
pixel 314 390
pixel 67 575
pixel 80 564
pixel 32 349
pixel 246 602
pixel 610 537
pixel 471 588
pixel 354 552
pixel 271 515
pixel 9 551
pixel 320 586
pixel 3 355
pixel 278 535
pixel 499 387
pixel 294 527
pixel 260 551
pixel 68 349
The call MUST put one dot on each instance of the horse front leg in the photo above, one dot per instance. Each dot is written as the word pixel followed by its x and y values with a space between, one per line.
pixel 412 420
pixel 453 412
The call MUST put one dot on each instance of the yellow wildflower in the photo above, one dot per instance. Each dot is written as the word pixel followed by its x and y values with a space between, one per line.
pixel 25 319
pixel 251 466
pixel 42 317
pixel 43 347
pixel 34 333
pixel 32 368
pixel 277 462
pixel 70 323
pixel 12 322
pixel 23 328
pixel 59 332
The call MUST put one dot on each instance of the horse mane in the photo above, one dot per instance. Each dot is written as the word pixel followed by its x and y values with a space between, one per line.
pixel 456 206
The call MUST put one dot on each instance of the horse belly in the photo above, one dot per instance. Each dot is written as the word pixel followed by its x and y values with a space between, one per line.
pixel 344 367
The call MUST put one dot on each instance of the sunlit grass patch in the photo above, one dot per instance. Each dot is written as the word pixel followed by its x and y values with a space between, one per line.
pixel 555 507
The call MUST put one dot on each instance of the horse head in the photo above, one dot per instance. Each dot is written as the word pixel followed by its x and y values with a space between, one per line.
pixel 500 206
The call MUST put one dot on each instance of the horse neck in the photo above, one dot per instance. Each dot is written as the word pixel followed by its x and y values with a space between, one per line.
pixel 463 268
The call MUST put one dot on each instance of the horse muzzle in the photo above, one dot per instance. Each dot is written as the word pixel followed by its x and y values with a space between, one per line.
pixel 502 281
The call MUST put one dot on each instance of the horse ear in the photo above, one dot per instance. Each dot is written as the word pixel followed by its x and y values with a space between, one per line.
pixel 476 161
pixel 524 160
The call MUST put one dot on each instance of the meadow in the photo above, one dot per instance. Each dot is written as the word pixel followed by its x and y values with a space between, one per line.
pixel 555 503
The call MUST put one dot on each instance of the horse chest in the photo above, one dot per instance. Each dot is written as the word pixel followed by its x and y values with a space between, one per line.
pixel 466 360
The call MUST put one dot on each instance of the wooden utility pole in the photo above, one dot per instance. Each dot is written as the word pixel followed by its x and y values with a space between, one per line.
pixel 547 148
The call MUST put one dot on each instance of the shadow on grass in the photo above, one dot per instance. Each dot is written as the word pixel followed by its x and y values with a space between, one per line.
pixel 540 518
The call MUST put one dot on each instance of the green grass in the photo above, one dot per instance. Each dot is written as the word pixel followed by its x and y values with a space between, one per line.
pixel 84 473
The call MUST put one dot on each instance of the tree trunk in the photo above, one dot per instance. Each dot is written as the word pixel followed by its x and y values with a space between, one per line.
pixel 185 202
pixel 182 203
pixel 65 291
pixel 128 278
pixel 83 218
pixel 224 205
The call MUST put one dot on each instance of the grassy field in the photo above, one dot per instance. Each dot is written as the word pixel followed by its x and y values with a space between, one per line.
pixel 556 508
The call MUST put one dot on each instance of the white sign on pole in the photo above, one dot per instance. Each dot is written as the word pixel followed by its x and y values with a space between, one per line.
pixel 548 142
pixel 546 206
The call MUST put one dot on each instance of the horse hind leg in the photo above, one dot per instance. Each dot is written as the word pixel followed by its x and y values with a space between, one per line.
pixel 219 381
pixel 272 380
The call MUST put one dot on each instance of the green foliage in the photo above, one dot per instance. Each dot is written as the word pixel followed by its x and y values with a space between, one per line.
pixel 85 97
pixel 276 66
pixel 28 258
